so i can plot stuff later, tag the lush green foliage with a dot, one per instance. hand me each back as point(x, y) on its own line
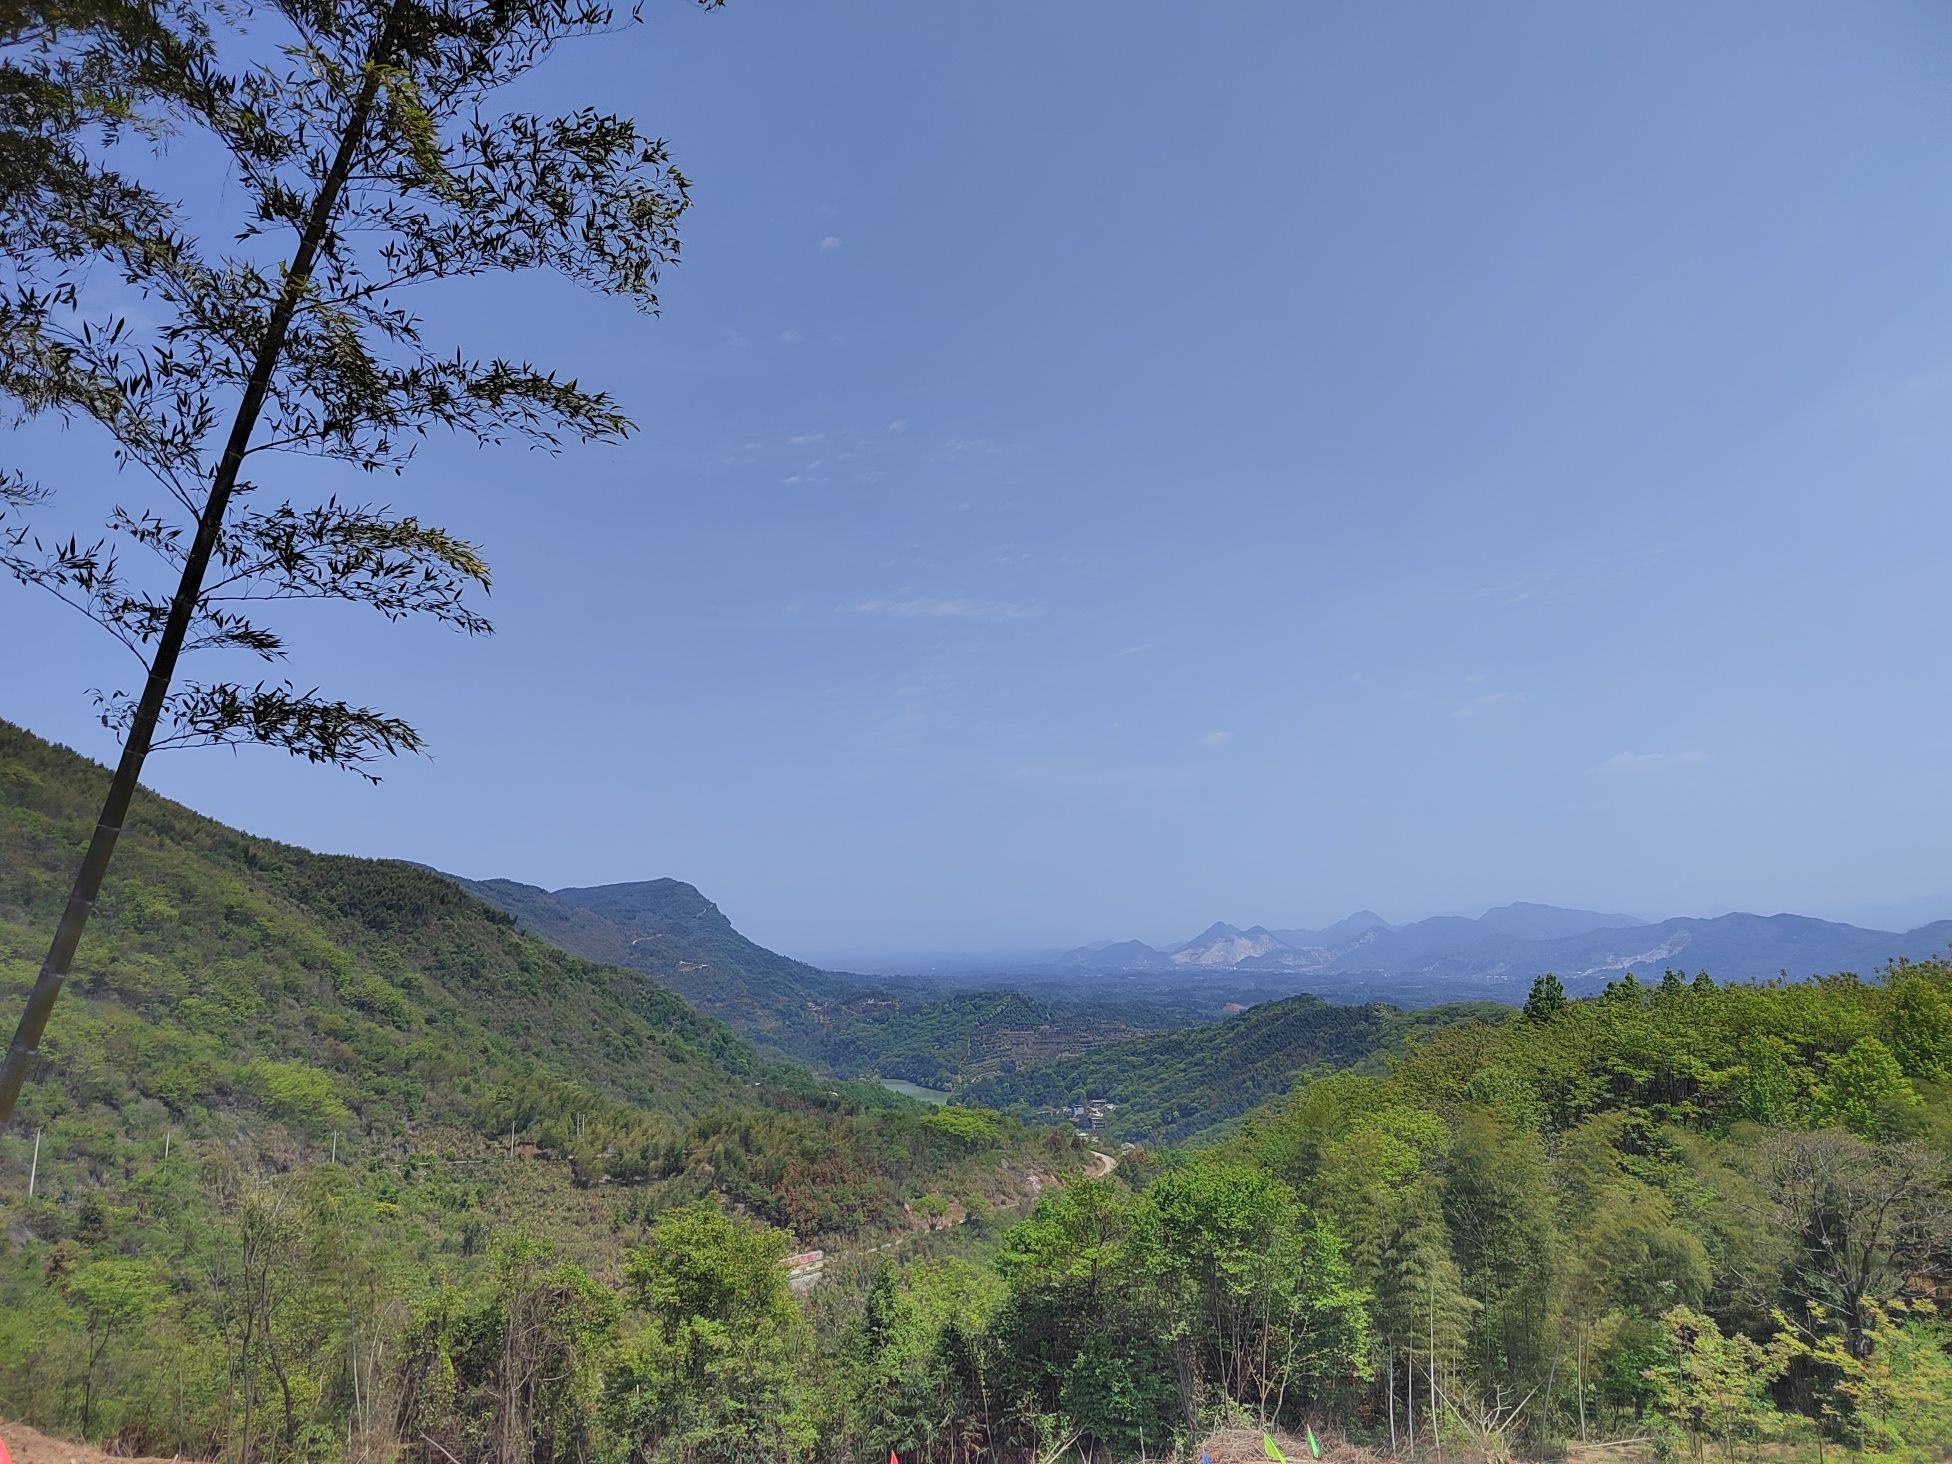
point(959, 1040)
point(1678, 1206)
point(330, 994)
point(299, 1112)
point(280, 1211)
point(1174, 1085)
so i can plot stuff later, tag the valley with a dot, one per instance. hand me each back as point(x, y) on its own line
point(1184, 1040)
point(360, 1100)
point(948, 545)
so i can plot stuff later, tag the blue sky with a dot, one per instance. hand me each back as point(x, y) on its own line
point(1107, 468)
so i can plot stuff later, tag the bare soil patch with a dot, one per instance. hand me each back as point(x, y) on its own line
point(31, 1446)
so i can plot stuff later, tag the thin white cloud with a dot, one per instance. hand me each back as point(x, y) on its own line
point(900, 424)
point(1652, 762)
point(1491, 699)
point(975, 444)
point(803, 438)
point(735, 340)
point(1216, 738)
point(794, 607)
point(791, 337)
point(829, 244)
point(949, 607)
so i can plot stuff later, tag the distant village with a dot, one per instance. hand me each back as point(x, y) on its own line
point(1091, 1116)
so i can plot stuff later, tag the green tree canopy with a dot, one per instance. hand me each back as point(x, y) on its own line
point(1546, 1000)
point(1865, 1089)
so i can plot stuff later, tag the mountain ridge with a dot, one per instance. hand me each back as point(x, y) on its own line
point(670, 931)
point(1512, 943)
point(234, 974)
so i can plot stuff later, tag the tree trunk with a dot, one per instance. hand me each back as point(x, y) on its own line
point(1410, 1393)
point(1436, 1427)
point(1389, 1391)
point(88, 1383)
point(1580, 1370)
point(162, 670)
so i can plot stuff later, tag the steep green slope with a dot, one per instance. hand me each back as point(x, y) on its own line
point(229, 974)
point(849, 1025)
point(955, 1040)
point(238, 991)
point(668, 930)
point(355, 1106)
point(1172, 1085)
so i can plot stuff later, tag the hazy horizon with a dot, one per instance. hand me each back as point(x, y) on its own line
point(1258, 473)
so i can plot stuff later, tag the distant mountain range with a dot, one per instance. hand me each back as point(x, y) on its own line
point(668, 930)
point(1514, 943)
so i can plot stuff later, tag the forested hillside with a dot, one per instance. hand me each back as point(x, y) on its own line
point(1716, 1215)
point(295, 1106)
point(1710, 1220)
point(336, 1163)
point(668, 930)
point(1171, 1086)
point(226, 974)
point(957, 1041)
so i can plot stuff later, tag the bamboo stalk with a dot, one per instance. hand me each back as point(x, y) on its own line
point(87, 886)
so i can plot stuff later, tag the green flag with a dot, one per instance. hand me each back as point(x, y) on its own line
point(1267, 1442)
point(1313, 1447)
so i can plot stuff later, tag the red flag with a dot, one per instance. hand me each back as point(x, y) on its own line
point(893, 1457)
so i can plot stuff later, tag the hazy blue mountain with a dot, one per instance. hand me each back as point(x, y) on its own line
point(1114, 955)
point(1348, 928)
point(1513, 943)
point(1551, 922)
point(1735, 947)
point(1406, 945)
